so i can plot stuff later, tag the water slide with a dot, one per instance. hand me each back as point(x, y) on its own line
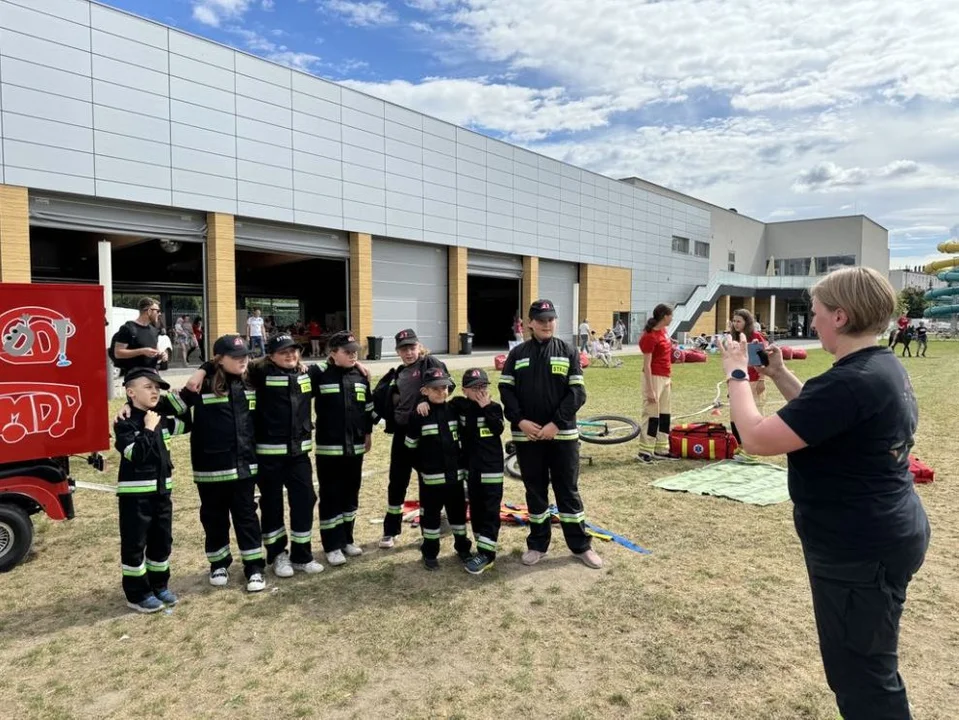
point(951, 276)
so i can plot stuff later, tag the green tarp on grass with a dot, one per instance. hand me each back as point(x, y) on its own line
point(753, 483)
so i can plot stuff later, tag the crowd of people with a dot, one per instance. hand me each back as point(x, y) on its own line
point(846, 434)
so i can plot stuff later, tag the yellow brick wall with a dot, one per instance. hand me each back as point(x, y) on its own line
point(706, 322)
point(762, 308)
point(724, 311)
point(457, 263)
point(361, 288)
point(530, 291)
point(14, 234)
point(221, 275)
point(603, 290)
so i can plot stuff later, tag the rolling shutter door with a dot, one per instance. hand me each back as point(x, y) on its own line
point(297, 239)
point(410, 283)
point(557, 282)
point(494, 265)
point(115, 217)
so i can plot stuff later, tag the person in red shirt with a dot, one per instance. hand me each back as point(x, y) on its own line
point(743, 327)
point(657, 365)
point(315, 332)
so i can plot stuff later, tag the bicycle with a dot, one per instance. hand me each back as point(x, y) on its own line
point(596, 430)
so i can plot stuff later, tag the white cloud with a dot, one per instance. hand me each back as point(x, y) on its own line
point(214, 12)
point(267, 5)
point(263, 46)
point(354, 12)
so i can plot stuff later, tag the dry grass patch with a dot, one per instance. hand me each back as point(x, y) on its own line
point(716, 623)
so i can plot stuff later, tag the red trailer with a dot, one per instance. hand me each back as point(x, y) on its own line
point(53, 402)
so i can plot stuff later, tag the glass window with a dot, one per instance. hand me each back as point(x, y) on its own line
point(732, 261)
point(680, 245)
point(793, 266)
point(701, 249)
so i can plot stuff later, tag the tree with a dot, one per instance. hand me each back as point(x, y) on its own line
point(912, 301)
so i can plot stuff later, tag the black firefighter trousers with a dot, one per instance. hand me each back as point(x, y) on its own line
point(857, 606)
point(485, 501)
point(555, 462)
point(401, 465)
point(340, 477)
point(296, 474)
point(434, 496)
point(219, 502)
point(146, 538)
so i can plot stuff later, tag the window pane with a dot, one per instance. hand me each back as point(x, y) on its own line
point(702, 249)
point(680, 244)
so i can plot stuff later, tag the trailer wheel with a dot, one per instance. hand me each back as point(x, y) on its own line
point(16, 536)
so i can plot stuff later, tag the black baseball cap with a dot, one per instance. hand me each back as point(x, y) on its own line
point(406, 337)
point(149, 374)
point(345, 340)
point(474, 377)
point(280, 342)
point(437, 377)
point(231, 345)
point(542, 310)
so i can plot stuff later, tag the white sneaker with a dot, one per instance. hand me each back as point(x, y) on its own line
point(281, 565)
point(352, 550)
point(335, 558)
point(256, 583)
point(386, 542)
point(219, 577)
point(310, 568)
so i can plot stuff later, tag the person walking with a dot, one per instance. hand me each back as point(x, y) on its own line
point(135, 342)
point(254, 333)
point(518, 329)
point(847, 435)
point(922, 339)
point(198, 337)
point(619, 332)
point(657, 385)
point(584, 333)
point(905, 337)
point(542, 388)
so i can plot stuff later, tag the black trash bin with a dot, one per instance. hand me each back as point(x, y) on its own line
point(466, 343)
point(374, 348)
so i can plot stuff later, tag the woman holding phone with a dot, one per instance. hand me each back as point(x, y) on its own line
point(743, 327)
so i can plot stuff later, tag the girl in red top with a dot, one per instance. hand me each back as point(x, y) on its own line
point(657, 364)
point(315, 333)
point(743, 325)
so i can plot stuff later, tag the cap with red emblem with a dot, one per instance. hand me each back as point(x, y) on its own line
point(542, 310)
point(344, 340)
point(232, 345)
point(474, 377)
point(406, 337)
point(437, 377)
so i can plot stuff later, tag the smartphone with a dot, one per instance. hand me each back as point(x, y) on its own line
point(757, 356)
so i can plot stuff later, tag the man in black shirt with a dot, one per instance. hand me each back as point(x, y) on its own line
point(136, 341)
point(847, 435)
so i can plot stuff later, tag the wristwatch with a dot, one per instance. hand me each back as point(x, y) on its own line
point(737, 374)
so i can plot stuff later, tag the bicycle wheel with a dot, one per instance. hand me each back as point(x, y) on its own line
point(512, 467)
point(607, 429)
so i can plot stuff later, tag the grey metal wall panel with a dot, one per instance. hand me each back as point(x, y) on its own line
point(57, 30)
point(39, 77)
point(198, 183)
point(197, 71)
point(73, 10)
point(93, 215)
point(118, 72)
point(127, 26)
point(291, 238)
point(317, 184)
point(410, 283)
point(315, 107)
point(316, 87)
point(42, 180)
point(202, 51)
point(190, 138)
point(35, 130)
point(556, 281)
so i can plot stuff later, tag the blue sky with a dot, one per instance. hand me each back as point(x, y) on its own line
point(783, 110)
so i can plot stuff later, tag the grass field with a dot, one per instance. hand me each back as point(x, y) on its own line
point(716, 623)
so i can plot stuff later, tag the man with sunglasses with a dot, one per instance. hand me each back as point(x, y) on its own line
point(135, 343)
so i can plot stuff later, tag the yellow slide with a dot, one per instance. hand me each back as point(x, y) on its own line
point(938, 265)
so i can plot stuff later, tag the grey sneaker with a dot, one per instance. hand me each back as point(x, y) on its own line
point(353, 550)
point(281, 565)
point(336, 557)
point(531, 557)
point(590, 558)
point(386, 542)
point(310, 568)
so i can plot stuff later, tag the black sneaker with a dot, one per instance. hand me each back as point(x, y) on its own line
point(431, 563)
point(464, 555)
point(479, 564)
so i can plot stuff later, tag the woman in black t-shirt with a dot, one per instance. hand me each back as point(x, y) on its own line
point(847, 435)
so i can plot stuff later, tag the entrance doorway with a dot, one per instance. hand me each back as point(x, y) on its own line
point(492, 304)
point(291, 291)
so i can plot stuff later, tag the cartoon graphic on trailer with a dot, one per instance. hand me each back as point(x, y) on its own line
point(35, 336)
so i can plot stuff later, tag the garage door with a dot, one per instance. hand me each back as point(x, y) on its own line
point(410, 290)
point(494, 265)
point(299, 239)
point(115, 217)
point(557, 282)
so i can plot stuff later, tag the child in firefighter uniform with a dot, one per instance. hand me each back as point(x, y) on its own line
point(542, 388)
point(344, 423)
point(143, 491)
point(284, 440)
point(434, 440)
point(481, 426)
point(223, 452)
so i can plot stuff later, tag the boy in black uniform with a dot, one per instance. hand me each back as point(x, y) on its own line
point(344, 423)
point(402, 397)
point(542, 388)
point(481, 426)
point(143, 492)
point(434, 440)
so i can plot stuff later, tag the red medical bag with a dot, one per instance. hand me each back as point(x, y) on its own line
point(702, 441)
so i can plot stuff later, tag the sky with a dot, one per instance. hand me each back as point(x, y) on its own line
point(783, 109)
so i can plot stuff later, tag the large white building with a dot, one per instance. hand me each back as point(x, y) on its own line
point(219, 182)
